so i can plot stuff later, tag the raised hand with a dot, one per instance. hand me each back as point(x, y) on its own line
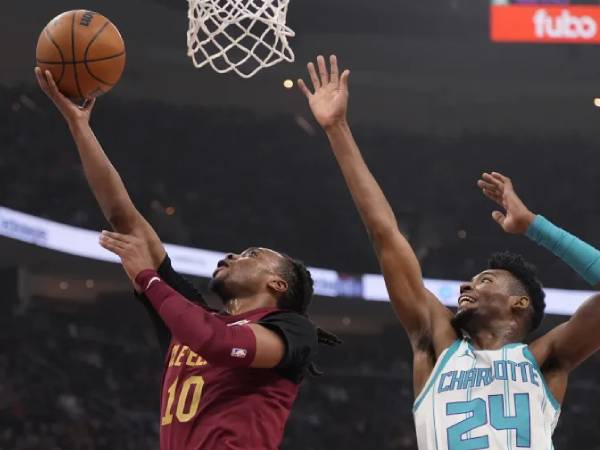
point(329, 101)
point(499, 188)
point(134, 252)
point(70, 111)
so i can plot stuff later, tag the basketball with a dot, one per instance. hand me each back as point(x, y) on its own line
point(84, 51)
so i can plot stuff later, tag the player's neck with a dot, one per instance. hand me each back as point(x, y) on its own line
point(237, 306)
point(495, 337)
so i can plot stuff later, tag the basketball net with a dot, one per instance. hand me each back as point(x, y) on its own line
point(243, 36)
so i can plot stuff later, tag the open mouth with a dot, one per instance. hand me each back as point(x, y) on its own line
point(465, 299)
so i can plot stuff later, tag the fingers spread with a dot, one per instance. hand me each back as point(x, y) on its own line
point(50, 81)
point(323, 70)
point(88, 104)
point(303, 88)
point(344, 79)
point(334, 69)
point(496, 182)
point(498, 217)
point(41, 79)
point(493, 197)
point(485, 185)
point(498, 176)
point(314, 78)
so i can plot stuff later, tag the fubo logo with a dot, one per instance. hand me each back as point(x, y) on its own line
point(564, 25)
point(552, 24)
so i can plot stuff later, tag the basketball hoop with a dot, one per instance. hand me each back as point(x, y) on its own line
point(243, 36)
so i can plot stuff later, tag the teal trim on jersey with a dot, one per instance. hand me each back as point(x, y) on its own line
point(434, 423)
point(510, 345)
point(470, 390)
point(449, 352)
point(527, 353)
point(506, 396)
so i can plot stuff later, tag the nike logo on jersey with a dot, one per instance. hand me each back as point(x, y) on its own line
point(239, 322)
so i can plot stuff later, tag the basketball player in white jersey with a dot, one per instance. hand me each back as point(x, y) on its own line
point(477, 385)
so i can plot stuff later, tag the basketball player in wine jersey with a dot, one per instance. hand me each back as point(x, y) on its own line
point(477, 384)
point(231, 376)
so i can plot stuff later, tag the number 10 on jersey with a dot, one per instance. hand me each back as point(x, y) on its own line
point(194, 384)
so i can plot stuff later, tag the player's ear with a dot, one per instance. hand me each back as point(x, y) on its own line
point(520, 302)
point(278, 284)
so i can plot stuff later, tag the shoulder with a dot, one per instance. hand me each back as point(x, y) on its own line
point(299, 335)
point(292, 325)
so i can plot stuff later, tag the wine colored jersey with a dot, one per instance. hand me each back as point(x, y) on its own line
point(207, 406)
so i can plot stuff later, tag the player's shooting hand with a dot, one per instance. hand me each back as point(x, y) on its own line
point(133, 251)
point(71, 112)
point(329, 101)
point(498, 188)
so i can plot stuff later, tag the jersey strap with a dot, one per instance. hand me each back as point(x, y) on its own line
point(527, 353)
point(432, 379)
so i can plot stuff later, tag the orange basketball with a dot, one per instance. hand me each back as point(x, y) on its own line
point(84, 51)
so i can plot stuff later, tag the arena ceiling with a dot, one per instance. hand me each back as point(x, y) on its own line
point(427, 65)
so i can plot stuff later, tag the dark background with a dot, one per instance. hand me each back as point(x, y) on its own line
point(433, 104)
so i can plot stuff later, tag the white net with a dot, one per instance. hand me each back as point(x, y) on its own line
point(243, 36)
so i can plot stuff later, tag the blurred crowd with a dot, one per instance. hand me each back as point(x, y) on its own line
point(74, 378)
point(66, 383)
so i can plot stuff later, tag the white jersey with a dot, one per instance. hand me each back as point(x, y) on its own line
point(485, 399)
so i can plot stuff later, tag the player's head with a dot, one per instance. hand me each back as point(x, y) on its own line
point(508, 291)
point(260, 270)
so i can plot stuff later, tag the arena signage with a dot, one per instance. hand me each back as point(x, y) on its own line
point(545, 23)
point(192, 261)
point(199, 262)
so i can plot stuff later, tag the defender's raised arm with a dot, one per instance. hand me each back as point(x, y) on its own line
point(418, 310)
point(569, 344)
point(518, 219)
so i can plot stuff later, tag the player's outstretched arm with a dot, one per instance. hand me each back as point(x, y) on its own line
point(245, 345)
point(416, 307)
point(518, 219)
point(572, 342)
point(104, 180)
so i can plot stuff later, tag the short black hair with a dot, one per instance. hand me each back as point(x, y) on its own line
point(300, 285)
point(526, 274)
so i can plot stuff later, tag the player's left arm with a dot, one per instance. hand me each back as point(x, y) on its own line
point(246, 345)
point(569, 344)
point(518, 219)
